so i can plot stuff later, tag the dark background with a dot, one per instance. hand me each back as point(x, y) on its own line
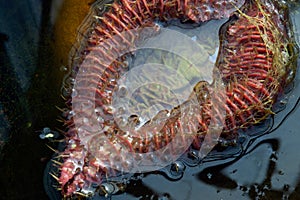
point(30, 82)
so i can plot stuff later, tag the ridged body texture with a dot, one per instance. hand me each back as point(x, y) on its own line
point(253, 63)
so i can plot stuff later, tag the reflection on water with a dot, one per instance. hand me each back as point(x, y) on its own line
point(268, 169)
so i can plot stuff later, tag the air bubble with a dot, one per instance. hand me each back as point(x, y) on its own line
point(109, 109)
point(209, 175)
point(69, 81)
point(98, 110)
point(63, 68)
point(164, 197)
point(109, 188)
point(193, 158)
point(74, 93)
point(122, 91)
point(120, 111)
point(177, 168)
point(100, 120)
point(65, 112)
point(71, 113)
point(66, 92)
point(125, 64)
point(134, 120)
point(283, 101)
point(175, 171)
point(194, 38)
point(85, 120)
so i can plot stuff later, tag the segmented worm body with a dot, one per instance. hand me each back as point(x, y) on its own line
point(253, 61)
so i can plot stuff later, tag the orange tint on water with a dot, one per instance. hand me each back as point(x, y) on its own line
point(70, 16)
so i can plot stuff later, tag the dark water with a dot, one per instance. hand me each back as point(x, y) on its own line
point(30, 89)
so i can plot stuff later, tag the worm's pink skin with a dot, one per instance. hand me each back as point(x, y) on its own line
point(246, 63)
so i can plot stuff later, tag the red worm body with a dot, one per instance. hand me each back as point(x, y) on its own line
point(250, 62)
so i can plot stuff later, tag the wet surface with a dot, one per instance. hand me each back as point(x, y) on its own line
point(269, 168)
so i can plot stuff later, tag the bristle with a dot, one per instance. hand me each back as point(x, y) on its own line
point(55, 177)
point(60, 131)
point(60, 119)
point(54, 150)
point(82, 194)
point(61, 156)
point(57, 162)
point(247, 64)
point(60, 109)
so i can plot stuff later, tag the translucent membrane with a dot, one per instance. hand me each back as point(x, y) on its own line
point(143, 118)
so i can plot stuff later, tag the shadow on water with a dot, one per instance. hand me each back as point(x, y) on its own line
point(268, 169)
point(253, 174)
